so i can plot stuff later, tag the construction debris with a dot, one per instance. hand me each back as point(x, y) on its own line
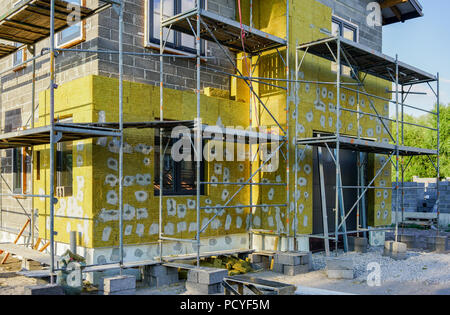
point(233, 264)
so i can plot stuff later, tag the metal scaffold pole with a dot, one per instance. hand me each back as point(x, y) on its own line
point(295, 144)
point(52, 139)
point(288, 140)
point(121, 26)
point(396, 149)
point(338, 109)
point(438, 162)
point(199, 130)
point(161, 118)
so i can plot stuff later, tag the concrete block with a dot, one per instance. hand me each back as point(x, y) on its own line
point(156, 270)
point(340, 274)
point(377, 238)
point(357, 244)
point(125, 292)
point(50, 289)
point(339, 264)
point(201, 288)
point(399, 247)
point(409, 240)
point(161, 281)
point(206, 275)
point(119, 283)
point(278, 268)
point(395, 250)
point(437, 243)
point(306, 259)
point(295, 270)
point(255, 258)
point(98, 276)
point(26, 264)
point(394, 247)
point(291, 259)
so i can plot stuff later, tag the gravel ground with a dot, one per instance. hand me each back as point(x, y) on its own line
point(430, 268)
point(10, 282)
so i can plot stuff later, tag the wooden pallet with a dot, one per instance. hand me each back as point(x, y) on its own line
point(426, 222)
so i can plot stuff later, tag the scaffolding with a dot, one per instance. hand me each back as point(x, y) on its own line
point(34, 20)
point(50, 16)
point(226, 33)
point(363, 61)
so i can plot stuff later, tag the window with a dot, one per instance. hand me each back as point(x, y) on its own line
point(17, 170)
point(74, 34)
point(19, 56)
point(13, 120)
point(175, 40)
point(64, 167)
point(272, 66)
point(179, 178)
point(21, 167)
point(38, 165)
point(348, 31)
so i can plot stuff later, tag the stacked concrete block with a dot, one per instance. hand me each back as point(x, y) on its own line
point(119, 285)
point(205, 280)
point(49, 289)
point(159, 276)
point(409, 239)
point(444, 197)
point(437, 243)
point(261, 260)
point(412, 198)
point(292, 263)
point(339, 268)
point(395, 250)
point(357, 244)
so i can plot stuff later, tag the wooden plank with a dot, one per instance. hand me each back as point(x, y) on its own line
point(26, 253)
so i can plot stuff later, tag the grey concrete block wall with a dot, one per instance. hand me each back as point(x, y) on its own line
point(354, 11)
point(178, 73)
point(16, 93)
point(423, 198)
point(102, 33)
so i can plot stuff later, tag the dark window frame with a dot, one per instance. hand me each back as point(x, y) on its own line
point(63, 150)
point(18, 170)
point(342, 23)
point(177, 167)
point(177, 45)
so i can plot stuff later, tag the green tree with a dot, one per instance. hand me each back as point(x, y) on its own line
point(426, 138)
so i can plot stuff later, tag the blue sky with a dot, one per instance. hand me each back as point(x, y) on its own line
point(424, 43)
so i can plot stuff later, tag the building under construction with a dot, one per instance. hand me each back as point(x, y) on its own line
point(274, 95)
